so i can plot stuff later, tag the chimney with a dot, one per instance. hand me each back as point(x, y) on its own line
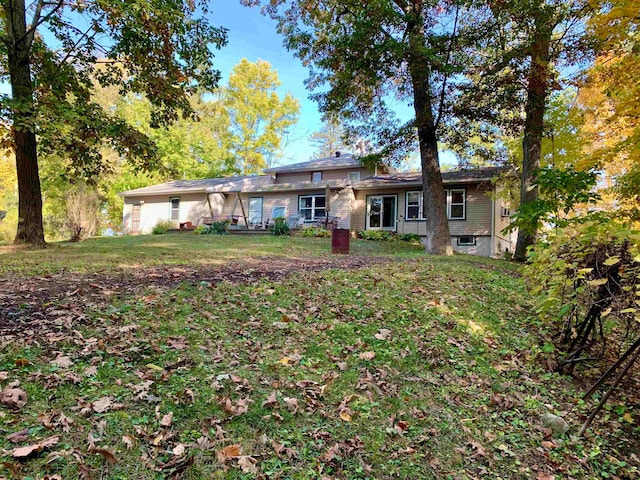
point(337, 154)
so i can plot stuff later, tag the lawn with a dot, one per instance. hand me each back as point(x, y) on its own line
point(382, 364)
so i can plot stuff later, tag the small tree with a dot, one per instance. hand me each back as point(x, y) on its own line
point(83, 212)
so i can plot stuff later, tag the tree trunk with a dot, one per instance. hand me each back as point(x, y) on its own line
point(537, 88)
point(438, 240)
point(30, 228)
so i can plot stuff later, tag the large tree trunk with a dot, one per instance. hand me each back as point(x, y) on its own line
point(30, 229)
point(438, 240)
point(537, 88)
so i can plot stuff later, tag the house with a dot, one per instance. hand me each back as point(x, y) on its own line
point(339, 190)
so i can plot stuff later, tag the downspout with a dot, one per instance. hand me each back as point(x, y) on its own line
point(493, 221)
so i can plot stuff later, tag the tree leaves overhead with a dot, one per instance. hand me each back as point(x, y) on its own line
point(53, 53)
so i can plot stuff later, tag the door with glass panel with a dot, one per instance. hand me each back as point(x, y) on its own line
point(381, 212)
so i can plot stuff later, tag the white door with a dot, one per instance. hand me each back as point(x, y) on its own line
point(381, 212)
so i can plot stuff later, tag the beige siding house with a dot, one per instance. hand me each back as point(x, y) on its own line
point(338, 191)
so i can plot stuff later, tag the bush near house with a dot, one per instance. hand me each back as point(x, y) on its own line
point(162, 227)
point(216, 228)
point(315, 232)
point(280, 227)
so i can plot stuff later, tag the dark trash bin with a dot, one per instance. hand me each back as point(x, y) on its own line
point(340, 240)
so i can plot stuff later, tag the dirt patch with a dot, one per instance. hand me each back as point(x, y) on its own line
point(59, 301)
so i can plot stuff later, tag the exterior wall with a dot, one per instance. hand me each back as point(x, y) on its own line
point(482, 246)
point(341, 203)
point(477, 218)
point(503, 242)
point(339, 174)
point(157, 208)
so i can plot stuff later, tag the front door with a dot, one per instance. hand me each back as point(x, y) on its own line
point(381, 212)
point(135, 219)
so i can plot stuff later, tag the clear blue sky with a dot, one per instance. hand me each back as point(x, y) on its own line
point(253, 36)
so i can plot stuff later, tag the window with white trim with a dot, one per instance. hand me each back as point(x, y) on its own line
point(255, 210)
point(312, 207)
point(466, 240)
point(354, 176)
point(414, 206)
point(174, 215)
point(456, 204)
point(316, 177)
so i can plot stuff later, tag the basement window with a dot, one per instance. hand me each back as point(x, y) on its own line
point(466, 241)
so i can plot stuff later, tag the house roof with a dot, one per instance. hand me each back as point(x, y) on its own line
point(415, 178)
point(199, 186)
point(345, 160)
point(265, 183)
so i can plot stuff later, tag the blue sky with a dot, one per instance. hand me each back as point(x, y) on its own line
point(253, 36)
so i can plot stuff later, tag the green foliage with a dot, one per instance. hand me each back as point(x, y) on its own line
point(216, 228)
point(258, 118)
point(586, 280)
point(279, 226)
point(162, 227)
point(315, 232)
point(409, 237)
point(561, 192)
point(376, 235)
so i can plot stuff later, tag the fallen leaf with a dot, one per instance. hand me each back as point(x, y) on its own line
point(23, 452)
point(18, 437)
point(229, 452)
point(22, 362)
point(14, 397)
point(167, 420)
point(90, 371)
point(179, 449)
point(248, 464)
point(345, 416)
point(128, 441)
point(545, 476)
point(102, 404)
point(367, 355)
point(271, 400)
point(106, 453)
point(62, 361)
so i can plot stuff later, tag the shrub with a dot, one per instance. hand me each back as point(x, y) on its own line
point(586, 279)
point(409, 237)
point(315, 232)
point(82, 211)
point(376, 235)
point(216, 228)
point(162, 227)
point(279, 226)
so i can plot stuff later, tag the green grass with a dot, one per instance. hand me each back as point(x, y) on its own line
point(454, 388)
point(176, 249)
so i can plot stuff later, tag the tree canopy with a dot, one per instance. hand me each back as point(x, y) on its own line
point(258, 117)
point(53, 52)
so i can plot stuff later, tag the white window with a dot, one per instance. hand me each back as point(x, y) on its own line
point(505, 211)
point(354, 176)
point(312, 207)
point(279, 212)
point(316, 177)
point(255, 210)
point(414, 206)
point(456, 204)
point(466, 240)
point(174, 215)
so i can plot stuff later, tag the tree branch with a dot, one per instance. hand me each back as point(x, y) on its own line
point(447, 60)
